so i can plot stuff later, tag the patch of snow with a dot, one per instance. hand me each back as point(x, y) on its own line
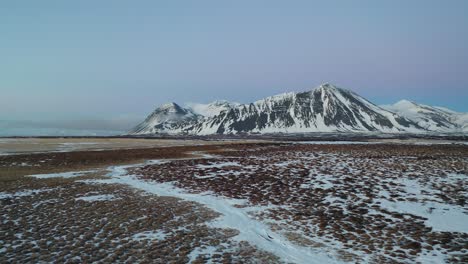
point(49, 201)
point(286, 163)
point(441, 217)
point(201, 251)
point(5, 195)
point(8, 140)
point(211, 109)
point(71, 174)
point(150, 235)
point(435, 256)
point(100, 197)
point(203, 155)
point(218, 165)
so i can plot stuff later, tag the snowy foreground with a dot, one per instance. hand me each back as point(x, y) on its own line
point(232, 217)
point(280, 204)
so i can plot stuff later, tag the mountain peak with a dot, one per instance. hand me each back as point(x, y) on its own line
point(172, 107)
point(328, 87)
point(169, 105)
point(429, 117)
point(168, 118)
point(405, 102)
point(220, 102)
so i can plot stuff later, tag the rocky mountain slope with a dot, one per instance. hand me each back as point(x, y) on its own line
point(169, 118)
point(326, 108)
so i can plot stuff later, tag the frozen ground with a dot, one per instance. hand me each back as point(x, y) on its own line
point(235, 214)
point(70, 174)
point(300, 203)
point(9, 146)
point(355, 202)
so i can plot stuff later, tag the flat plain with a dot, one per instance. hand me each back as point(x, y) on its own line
point(234, 202)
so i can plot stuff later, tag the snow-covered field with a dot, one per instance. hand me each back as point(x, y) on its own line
point(235, 214)
point(298, 203)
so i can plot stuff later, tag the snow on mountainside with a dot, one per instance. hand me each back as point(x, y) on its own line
point(326, 108)
point(462, 120)
point(432, 118)
point(211, 109)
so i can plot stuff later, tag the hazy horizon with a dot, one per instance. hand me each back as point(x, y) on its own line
point(106, 65)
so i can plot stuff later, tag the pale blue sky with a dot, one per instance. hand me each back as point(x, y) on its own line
point(119, 59)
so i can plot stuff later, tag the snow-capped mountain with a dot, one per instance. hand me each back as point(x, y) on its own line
point(169, 118)
point(172, 118)
point(326, 108)
point(431, 118)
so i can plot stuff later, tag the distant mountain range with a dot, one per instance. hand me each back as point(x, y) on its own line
point(326, 108)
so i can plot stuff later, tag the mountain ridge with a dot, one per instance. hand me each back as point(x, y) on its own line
point(326, 108)
point(432, 118)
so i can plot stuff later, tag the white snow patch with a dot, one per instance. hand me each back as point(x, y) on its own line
point(218, 165)
point(100, 197)
point(5, 195)
point(202, 155)
point(62, 174)
point(200, 251)
point(211, 109)
point(150, 235)
point(441, 217)
point(435, 256)
point(49, 201)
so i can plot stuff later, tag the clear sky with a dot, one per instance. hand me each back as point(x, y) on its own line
point(118, 60)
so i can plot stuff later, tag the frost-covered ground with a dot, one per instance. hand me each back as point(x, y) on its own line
point(300, 203)
point(235, 214)
point(356, 203)
point(12, 146)
point(80, 222)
